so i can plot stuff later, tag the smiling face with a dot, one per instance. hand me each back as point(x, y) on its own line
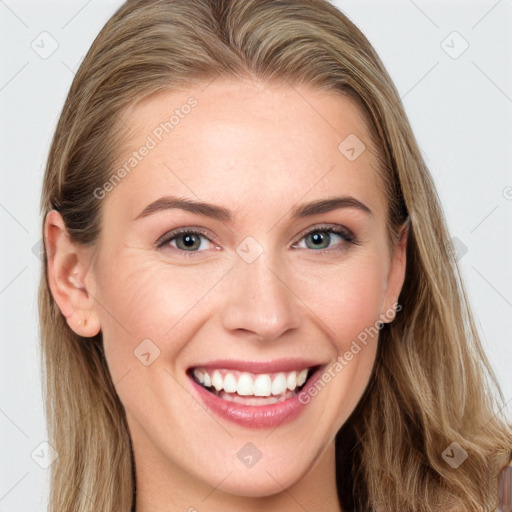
point(259, 280)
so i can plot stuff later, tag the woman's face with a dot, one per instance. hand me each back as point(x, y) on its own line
point(258, 281)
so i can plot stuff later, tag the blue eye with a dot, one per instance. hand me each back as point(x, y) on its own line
point(320, 237)
point(190, 241)
point(185, 240)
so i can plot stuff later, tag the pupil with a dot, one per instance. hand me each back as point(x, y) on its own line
point(188, 241)
point(319, 238)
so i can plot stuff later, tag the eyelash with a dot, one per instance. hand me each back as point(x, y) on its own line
point(337, 230)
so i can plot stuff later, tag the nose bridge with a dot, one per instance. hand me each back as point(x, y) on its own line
point(258, 298)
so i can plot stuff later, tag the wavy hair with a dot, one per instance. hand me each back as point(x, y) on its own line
point(432, 384)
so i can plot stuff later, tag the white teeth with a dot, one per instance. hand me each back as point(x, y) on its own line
point(199, 375)
point(245, 385)
point(262, 386)
point(217, 380)
point(248, 384)
point(302, 377)
point(292, 381)
point(230, 383)
point(279, 384)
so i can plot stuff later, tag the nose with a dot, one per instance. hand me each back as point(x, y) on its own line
point(260, 301)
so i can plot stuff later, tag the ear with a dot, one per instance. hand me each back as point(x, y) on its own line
point(396, 276)
point(68, 266)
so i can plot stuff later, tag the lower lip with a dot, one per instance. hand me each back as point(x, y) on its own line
point(257, 416)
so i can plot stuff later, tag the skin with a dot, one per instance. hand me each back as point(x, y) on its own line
point(260, 151)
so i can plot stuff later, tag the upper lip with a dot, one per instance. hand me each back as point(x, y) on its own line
point(277, 365)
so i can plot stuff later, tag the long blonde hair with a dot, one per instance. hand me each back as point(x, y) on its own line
point(432, 384)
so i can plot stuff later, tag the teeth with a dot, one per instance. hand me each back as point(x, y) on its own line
point(230, 383)
point(279, 384)
point(217, 381)
point(245, 385)
point(262, 385)
point(302, 377)
point(248, 384)
point(291, 381)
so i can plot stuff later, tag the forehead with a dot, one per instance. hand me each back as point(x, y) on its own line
point(248, 145)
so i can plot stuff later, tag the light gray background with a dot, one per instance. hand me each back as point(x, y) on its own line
point(460, 107)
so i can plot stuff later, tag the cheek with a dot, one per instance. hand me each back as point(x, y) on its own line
point(351, 308)
point(143, 300)
point(346, 297)
point(346, 301)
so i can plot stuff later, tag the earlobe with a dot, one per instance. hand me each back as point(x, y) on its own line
point(67, 267)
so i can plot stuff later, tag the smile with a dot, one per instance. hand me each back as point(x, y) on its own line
point(233, 385)
point(252, 398)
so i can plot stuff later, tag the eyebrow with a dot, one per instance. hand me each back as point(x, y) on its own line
point(223, 214)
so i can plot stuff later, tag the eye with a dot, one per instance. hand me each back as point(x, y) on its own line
point(186, 240)
point(191, 241)
point(320, 238)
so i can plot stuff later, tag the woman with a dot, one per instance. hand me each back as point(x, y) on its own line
point(250, 300)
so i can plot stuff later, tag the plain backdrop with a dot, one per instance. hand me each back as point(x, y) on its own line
point(451, 62)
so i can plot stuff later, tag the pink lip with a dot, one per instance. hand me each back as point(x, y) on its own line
point(257, 416)
point(277, 365)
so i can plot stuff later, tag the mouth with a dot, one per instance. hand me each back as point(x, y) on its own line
point(248, 388)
